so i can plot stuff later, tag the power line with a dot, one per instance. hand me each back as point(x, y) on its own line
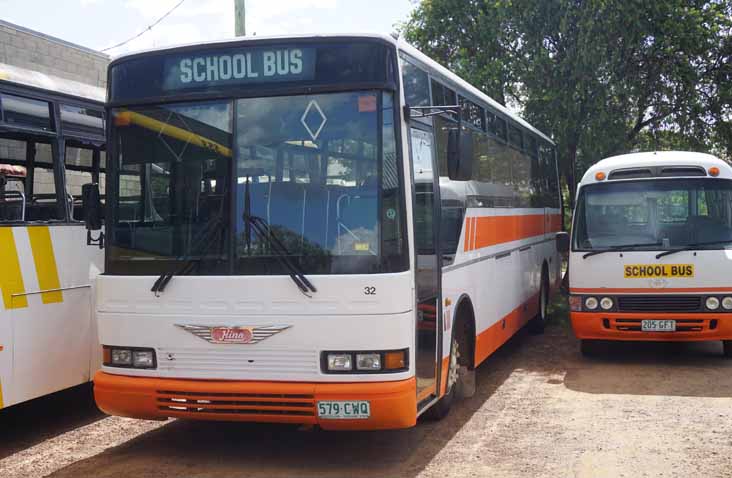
point(150, 27)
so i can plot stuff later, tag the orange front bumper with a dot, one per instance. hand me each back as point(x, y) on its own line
point(393, 404)
point(626, 326)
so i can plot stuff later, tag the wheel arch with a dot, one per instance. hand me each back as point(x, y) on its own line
point(463, 328)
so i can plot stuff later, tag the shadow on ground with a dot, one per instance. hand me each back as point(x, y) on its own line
point(27, 424)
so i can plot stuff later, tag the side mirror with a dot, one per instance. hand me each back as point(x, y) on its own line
point(93, 213)
point(459, 155)
point(562, 242)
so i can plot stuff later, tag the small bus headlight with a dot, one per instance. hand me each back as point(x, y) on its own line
point(712, 303)
point(606, 303)
point(727, 303)
point(591, 303)
point(143, 358)
point(121, 357)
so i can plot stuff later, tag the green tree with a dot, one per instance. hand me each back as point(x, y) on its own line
point(600, 76)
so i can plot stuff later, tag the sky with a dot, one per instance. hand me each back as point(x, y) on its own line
point(99, 24)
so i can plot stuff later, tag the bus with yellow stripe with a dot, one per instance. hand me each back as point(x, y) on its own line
point(51, 143)
point(326, 230)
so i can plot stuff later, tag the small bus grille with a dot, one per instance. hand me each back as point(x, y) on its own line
point(245, 404)
point(645, 303)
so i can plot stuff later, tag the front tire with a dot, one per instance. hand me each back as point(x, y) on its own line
point(441, 409)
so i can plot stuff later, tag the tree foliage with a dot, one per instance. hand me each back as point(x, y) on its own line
point(602, 77)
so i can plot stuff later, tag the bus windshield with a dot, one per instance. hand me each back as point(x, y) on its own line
point(320, 170)
point(654, 214)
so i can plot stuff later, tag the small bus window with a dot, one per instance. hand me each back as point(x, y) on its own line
point(515, 138)
point(416, 85)
point(19, 111)
point(43, 204)
point(80, 120)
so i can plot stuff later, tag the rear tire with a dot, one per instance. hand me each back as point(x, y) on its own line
point(727, 348)
point(538, 323)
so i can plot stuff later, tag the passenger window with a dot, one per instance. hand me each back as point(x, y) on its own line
point(86, 121)
point(43, 204)
point(79, 168)
point(416, 85)
point(19, 111)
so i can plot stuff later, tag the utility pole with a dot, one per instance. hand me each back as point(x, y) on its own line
point(240, 24)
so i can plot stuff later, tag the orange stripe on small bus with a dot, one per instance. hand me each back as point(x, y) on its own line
point(497, 334)
point(666, 290)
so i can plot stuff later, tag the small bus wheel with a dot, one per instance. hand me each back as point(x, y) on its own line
point(589, 348)
point(439, 410)
point(727, 348)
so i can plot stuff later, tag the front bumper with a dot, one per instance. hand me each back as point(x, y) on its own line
point(626, 326)
point(393, 404)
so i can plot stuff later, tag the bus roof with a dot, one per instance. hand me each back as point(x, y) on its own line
point(53, 84)
point(653, 159)
point(401, 44)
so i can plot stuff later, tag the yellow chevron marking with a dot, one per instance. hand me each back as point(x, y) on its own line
point(1, 395)
point(11, 279)
point(40, 241)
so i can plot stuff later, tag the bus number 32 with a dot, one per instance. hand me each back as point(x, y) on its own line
point(369, 290)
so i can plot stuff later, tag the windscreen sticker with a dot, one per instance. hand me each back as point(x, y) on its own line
point(650, 271)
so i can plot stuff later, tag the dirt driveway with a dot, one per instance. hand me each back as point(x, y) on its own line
point(541, 410)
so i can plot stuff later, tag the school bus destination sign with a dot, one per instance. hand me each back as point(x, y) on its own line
point(237, 66)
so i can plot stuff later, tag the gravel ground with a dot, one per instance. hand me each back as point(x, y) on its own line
point(541, 410)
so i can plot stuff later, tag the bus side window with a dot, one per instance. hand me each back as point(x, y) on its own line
point(12, 179)
point(43, 204)
point(83, 165)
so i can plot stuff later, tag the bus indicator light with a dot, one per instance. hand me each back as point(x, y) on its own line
point(714, 171)
point(600, 176)
point(396, 360)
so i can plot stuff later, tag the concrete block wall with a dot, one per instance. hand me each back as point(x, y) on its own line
point(37, 51)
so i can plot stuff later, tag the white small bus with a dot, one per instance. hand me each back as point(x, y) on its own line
point(329, 230)
point(51, 143)
point(651, 256)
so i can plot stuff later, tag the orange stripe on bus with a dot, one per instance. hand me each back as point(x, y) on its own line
point(488, 231)
point(497, 334)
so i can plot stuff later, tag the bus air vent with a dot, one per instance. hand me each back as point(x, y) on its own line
point(631, 173)
point(683, 171)
point(649, 303)
point(178, 403)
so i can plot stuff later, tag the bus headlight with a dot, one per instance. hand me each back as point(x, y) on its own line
point(712, 303)
point(128, 357)
point(376, 361)
point(727, 303)
point(591, 303)
point(368, 361)
point(339, 362)
point(606, 303)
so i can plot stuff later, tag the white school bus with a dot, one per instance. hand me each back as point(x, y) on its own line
point(51, 142)
point(650, 256)
point(329, 230)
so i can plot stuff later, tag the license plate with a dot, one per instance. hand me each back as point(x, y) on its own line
point(345, 409)
point(658, 325)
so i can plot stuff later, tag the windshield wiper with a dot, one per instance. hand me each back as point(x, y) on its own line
point(189, 262)
point(623, 247)
point(264, 231)
point(689, 247)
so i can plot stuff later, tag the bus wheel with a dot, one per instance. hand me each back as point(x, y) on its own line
point(727, 348)
point(439, 410)
point(537, 324)
point(589, 348)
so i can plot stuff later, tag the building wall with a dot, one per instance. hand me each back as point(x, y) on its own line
point(33, 50)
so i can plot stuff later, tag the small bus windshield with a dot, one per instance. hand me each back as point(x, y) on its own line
point(663, 214)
